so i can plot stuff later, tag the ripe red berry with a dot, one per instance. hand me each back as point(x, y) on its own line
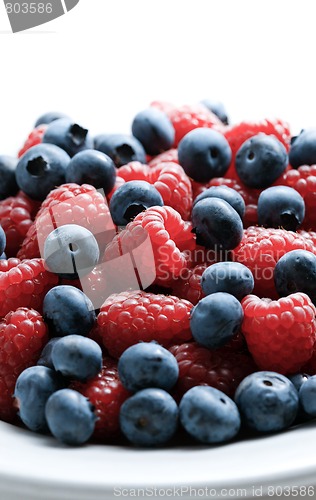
point(188, 286)
point(15, 219)
point(33, 139)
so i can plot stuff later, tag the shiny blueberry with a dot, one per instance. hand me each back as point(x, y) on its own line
point(121, 148)
point(77, 357)
point(307, 396)
point(298, 379)
point(154, 130)
point(281, 206)
point(69, 136)
point(94, 168)
point(49, 117)
point(217, 108)
point(8, 185)
point(303, 148)
point(45, 358)
point(224, 193)
point(230, 277)
point(3, 241)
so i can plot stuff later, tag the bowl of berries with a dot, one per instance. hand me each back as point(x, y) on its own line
point(158, 290)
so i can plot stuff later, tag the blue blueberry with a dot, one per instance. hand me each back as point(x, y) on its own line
point(281, 206)
point(267, 401)
point(307, 396)
point(154, 130)
point(298, 379)
point(77, 357)
point(260, 161)
point(132, 198)
point(216, 224)
point(121, 148)
point(217, 108)
point(224, 193)
point(41, 169)
point(49, 117)
point(209, 415)
point(94, 168)
point(216, 319)
point(303, 148)
point(3, 256)
point(71, 251)
point(8, 185)
point(230, 277)
point(33, 388)
point(46, 354)
point(149, 417)
point(204, 154)
point(3, 241)
point(69, 136)
point(296, 272)
point(147, 365)
point(68, 311)
point(70, 417)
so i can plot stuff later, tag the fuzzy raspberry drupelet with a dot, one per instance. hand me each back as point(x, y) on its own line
point(188, 286)
point(15, 219)
point(165, 157)
point(130, 317)
point(163, 106)
point(280, 334)
point(33, 139)
point(23, 335)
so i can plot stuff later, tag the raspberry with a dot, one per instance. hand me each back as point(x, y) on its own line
point(107, 394)
point(68, 204)
point(221, 368)
point(260, 250)
point(33, 139)
point(15, 219)
point(130, 317)
point(188, 286)
point(310, 235)
point(23, 284)
point(163, 106)
point(187, 118)
point(280, 334)
point(167, 156)
point(23, 334)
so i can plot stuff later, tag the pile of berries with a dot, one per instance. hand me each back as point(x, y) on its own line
point(160, 280)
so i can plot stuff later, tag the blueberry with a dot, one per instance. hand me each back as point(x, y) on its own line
point(260, 161)
point(267, 401)
point(281, 206)
point(154, 130)
point(49, 117)
point(307, 396)
point(69, 136)
point(230, 277)
point(132, 198)
point(149, 418)
point(216, 224)
point(303, 148)
point(94, 168)
point(77, 357)
point(224, 193)
point(3, 241)
point(209, 415)
point(217, 108)
point(121, 148)
point(215, 319)
point(68, 311)
point(204, 154)
point(298, 379)
point(8, 185)
point(71, 251)
point(147, 365)
point(46, 354)
point(3, 256)
point(33, 388)
point(70, 417)
point(296, 272)
point(41, 169)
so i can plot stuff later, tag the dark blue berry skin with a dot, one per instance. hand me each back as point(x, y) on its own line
point(296, 272)
point(46, 354)
point(267, 401)
point(154, 130)
point(307, 396)
point(8, 185)
point(49, 117)
point(71, 251)
point(41, 169)
point(217, 108)
point(260, 161)
point(216, 224)
point(224, 193)
point(215, 319)
point(33, 388)
point(230, 277)
point(77, 357)
point(204, 154)
point(94, 168)
point(281, 206)
point(298, 379)
point(132, 198)
point(68, 311)
point(209, 415)
point(70, 417)
point(149, 417)
point(303, 148)
point(3, 241)
point(69, 136)
point(147, 365)
point(121, 148)
point(3, 256)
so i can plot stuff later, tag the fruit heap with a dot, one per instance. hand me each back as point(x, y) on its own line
point(158, 280)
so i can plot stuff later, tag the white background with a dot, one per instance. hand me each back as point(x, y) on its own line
point(106, 59)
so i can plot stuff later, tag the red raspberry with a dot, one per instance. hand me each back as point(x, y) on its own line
point(188, 286)
point(107, 395)
point(23, 334)
point(15, 219)
point(163, 106)
point(260, 249)
point(221, 368)
point(24, 284)
point(130, 317)
point(167, 156)
point(69, 204)
point(33, 139)
point(309, 235)
point(280, 334)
